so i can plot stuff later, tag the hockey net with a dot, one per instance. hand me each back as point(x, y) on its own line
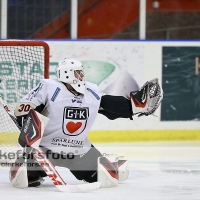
point(22, 65)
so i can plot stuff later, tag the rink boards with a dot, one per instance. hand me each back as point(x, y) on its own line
point(130, 64)
point(124, 136)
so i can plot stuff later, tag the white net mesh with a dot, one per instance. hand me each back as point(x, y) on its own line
point(22, 65)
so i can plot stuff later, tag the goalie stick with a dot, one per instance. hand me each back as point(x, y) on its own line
point(6, 108)
point(42, 159)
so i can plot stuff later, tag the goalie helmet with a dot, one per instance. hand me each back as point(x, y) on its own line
point(66, 71)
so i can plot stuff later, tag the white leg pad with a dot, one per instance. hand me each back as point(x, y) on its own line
point(123, 168)
point(108, 171)
point(18, 175)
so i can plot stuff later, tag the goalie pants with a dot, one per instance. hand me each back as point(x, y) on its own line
point(83, 167)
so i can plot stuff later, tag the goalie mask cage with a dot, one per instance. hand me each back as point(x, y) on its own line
point(22, 65)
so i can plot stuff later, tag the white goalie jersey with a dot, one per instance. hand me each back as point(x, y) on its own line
point(71, 117)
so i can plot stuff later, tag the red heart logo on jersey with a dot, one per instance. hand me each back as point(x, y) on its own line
point(73, 127)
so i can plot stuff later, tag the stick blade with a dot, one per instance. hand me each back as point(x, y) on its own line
point(80, 187)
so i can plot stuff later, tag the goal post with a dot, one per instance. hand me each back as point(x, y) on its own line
point(22, 64)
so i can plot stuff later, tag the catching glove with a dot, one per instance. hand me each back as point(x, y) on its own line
point(147, 99)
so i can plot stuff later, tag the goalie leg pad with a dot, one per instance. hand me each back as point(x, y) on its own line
point(18, 174)
point(123, 168)
point(123, 171)
point(108, 171)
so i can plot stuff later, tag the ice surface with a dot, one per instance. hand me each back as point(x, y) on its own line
point(158, 171)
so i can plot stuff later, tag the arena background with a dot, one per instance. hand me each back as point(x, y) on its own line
point(119, 67)
point(124, 43)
